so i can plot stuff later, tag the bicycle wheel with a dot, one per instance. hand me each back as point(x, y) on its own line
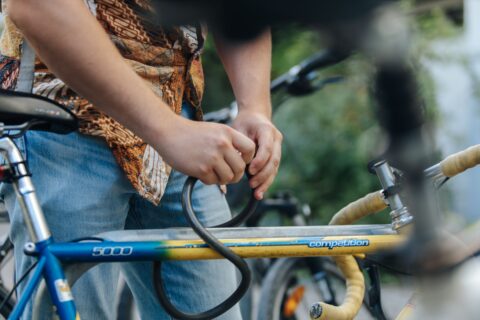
point(8, 306)
point(293, 285)
point(6, 259)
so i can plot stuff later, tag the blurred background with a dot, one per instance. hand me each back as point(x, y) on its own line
point(331, 135)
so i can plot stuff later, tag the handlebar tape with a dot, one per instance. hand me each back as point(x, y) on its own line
point(353, 297)
point(460, 161)
point(369, 204)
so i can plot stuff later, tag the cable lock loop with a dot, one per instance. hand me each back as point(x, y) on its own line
point(214, 244)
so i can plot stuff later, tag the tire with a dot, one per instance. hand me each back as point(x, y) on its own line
point(319, 277)
point(8, 306)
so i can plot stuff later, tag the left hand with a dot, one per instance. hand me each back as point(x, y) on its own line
point(264, 166)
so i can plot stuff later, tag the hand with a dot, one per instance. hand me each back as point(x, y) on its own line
point(211, 152)
point(264, 166)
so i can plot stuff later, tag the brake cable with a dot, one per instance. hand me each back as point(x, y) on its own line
point(12, 291)
point(217, 246)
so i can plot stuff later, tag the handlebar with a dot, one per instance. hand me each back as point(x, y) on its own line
point(353, 296)
point(460, 161)
point(224, 115)
point(369, 204)
point(323, 59)
point(296, 80)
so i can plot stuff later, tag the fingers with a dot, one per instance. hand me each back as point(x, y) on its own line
point(226, 161)
point(260, 191)
point(237, 164)
point(244, 145)
point(264, 152)
point(223, 172)
point(220, 174)
point(209, 177)
point(263, 179)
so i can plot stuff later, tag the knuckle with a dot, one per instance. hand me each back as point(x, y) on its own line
point(204, 170)
point(209, 180)
point(279, 135)
point(267, 125)
point(276, 162)
point(237, 174)
point(223, 142)
point(213, 158)
point(240, 168)
point(260, 177)
point(237, 178)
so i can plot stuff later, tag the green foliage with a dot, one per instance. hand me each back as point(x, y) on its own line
point(292, 44)
point(329, 139)
point(331, 135)
point(218, 92)
point(434, 25)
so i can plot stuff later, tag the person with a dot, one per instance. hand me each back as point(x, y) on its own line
point(128, 79)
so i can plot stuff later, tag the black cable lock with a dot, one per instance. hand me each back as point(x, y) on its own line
point(214, 244)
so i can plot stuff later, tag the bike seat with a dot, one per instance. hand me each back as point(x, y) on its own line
point(17, 108)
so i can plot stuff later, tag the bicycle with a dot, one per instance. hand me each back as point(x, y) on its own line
point(182, 243)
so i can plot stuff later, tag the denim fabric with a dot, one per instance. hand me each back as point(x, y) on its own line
point(83, 192)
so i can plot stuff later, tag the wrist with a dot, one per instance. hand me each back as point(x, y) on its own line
point(158, 128)
point(256, 109)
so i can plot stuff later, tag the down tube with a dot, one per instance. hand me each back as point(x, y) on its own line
point(247, 248)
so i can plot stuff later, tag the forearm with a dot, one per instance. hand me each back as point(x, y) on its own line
point(73, 45)
point(248, 67)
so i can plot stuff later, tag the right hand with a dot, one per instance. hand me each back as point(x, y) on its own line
point(211, 152)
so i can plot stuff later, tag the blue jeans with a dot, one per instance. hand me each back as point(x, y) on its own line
point(83, 192)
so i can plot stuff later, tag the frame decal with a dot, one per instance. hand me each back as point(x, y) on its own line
point(63, 290)
point(330, 244)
